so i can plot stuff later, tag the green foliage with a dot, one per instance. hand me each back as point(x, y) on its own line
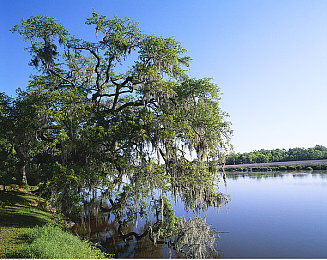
point(41, 31)
point(295, 167)
point(168, 225)
point(7, 155)
point(50, 241)
point(280, 168)
point(319, 167)
point(278, 155)
point(117, 116)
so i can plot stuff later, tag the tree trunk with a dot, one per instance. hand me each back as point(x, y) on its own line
point(22, 171)
point(21, 154)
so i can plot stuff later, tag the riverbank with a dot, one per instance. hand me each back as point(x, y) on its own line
point(280, 166)
point(28, 229)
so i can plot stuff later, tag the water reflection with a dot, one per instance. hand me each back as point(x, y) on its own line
point(276, 175)
point(281, 216)
point(320, 174)
point(159, 233)
point(140, 216)
point(195, 239)
point(271, 215)
point(263, 175)
point(104, 230)
point(257, 175)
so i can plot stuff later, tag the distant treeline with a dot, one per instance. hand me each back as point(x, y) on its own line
point(278, 155)
point(279, 168)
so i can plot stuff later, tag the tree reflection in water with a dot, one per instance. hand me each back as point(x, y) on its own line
point(158, 238)
point(162, 233)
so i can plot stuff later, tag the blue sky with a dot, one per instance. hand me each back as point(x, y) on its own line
point(269, 57)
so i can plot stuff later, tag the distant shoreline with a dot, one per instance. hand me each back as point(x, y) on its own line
point(275, 164)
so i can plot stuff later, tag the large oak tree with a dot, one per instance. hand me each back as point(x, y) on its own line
point(120, 115)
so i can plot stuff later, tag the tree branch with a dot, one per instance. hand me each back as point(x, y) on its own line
point(134, 104)
point(96, 66)
point(111, 59)
point(61, 77)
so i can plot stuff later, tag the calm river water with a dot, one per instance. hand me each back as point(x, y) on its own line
point(280, 215)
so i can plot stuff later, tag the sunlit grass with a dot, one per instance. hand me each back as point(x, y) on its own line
point(19, 212)
point(50, 241)
point(27, 230)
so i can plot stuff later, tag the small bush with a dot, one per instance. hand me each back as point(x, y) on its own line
point(292, 167)
point(50, 241)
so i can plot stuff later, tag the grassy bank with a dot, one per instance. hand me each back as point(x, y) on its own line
point(29, 230)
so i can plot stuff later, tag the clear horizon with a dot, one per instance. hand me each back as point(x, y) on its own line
point(268, 57)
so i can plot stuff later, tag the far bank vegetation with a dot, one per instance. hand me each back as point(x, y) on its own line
point(318, 152)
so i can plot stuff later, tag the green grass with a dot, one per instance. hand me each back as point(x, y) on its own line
point(51, 241)
point(19, 212)
point(27, 230)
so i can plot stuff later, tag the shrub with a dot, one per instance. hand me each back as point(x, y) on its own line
point(291, 167)
point(50, 241)
point(301, 167)
point(317, 167)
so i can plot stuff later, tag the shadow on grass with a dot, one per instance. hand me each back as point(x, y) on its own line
point(16, 210)
point(11, 198)
point(15, 219)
